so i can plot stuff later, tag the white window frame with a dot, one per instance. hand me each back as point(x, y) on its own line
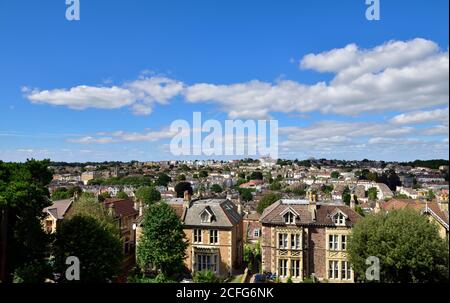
point(343, 242)
point(205, 217)
point(283, 241)
point(296, 268)
point(197, 236)
point(346, 270)
point(333, 242)
point(296, 242)
point(207, 262)
point(256, 233)
point(289, 218)
point(333, 270)
point(283, 267)
point(339, 219)
point(214, 236)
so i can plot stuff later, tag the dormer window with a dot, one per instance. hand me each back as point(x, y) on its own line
point(289, 218)
point(339, 219)
point(206, 216)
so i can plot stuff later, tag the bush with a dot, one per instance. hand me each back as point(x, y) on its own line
point(206, 276)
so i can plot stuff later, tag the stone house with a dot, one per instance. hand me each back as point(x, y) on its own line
point(302, 238)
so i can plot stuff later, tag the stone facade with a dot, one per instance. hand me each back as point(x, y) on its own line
point(309, 243)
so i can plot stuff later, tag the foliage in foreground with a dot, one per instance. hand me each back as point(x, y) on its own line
point(97, 248)
point(206, 276)
point(407, 244)
point(163, 244)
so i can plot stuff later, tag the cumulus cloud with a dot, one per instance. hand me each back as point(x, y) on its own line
point(393, 76)
point(140, 95)
point(420, 117)
point(82, 97)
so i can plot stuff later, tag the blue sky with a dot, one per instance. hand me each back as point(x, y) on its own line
point(107, 87)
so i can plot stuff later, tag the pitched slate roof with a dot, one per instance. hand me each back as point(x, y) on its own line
point(273, 215)
point(224, 212)
point(59, 208)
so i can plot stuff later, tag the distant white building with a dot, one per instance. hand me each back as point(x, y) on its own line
point(267, 162)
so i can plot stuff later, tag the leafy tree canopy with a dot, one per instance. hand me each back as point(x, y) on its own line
point(181, 187)
point(98, 249)
point(23, 196)
point(148, 195)
point(407, 244)
point(266, 201)
point(163, 241)
point(216, 188)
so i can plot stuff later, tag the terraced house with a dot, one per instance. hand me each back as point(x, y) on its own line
point(303, 238)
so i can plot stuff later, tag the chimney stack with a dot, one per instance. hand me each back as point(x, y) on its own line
point(141, 209)
point(312, 204)
point(353, 202)
point(187, 199)
point(239, 205)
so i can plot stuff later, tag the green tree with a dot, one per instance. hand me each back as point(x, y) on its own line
point(275, 186)
point(430, 195)
point(372, 194)
point(162, 179)
point(87, 206)
point(407, 244)
point(98, 249)
point(103, 196)
point(266, 201)
point(181, 187)
point(23, 196)
point(246, 194)
point(216, 188)
point(346, 196)
point(256, 175)
point(299, 192)
point(335, 175)
point(163, 242)
point(203, 174)
point(181, 177)
point(148, 195)
point(60, 193)
point(122, 195)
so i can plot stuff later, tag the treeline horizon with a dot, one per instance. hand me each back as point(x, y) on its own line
point(431, 163)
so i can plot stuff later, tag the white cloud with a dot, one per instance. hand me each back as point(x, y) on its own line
point(121, 136)
point(352, 62)
point(418, 117)
point(82, 97)
point(392, 77)
point(91, 140)
point(140, 95)
point(395, 76)
point(376, 140)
